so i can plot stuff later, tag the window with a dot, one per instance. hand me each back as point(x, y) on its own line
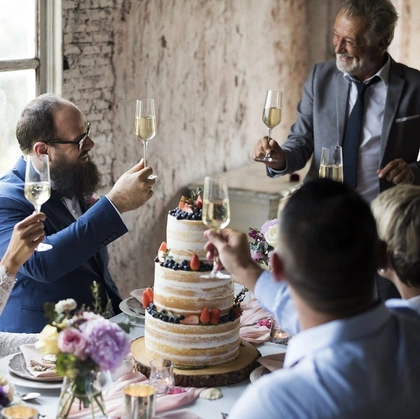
point(30, 63)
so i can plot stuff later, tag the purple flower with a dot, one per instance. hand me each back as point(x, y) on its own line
point(265, 322)
point(267, 225)
point(107, 343)
point(72, 341)
point(4, 397)
point(256, 256)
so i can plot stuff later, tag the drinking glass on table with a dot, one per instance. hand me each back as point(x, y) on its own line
point(331, 166)
point(37, 185)
point(162, 375)
point(145, 125)
point(271, 117)
point(216, 212)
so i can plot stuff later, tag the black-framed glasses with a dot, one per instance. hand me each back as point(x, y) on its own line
point(80, 141)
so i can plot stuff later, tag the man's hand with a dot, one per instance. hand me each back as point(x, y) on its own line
point(397, 171)
point(271, 147)
point(232, 247)
point(26, 236)
point(133, 189)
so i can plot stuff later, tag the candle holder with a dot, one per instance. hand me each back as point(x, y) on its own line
point(277, 335)
point(19, 412)
point(139, 401)
point(162, 375)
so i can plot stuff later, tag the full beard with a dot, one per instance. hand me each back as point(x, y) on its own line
point(75, 179)
point(353, 67)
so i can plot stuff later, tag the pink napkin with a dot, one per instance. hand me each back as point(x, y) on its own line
point(250, 330)
point(35, 365)
point(114, 396)
point(272, 362)
point(182, 414)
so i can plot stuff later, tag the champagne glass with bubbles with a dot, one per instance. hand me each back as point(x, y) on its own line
point(216, 212)
point(37, 185)
point(145, 125)
point(331, 165)
point(271, 117)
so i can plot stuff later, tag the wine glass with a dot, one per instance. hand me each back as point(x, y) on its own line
point(37, 185)
point(145, 125)
point(216, 212)
point(271, 117)
point(331, 166)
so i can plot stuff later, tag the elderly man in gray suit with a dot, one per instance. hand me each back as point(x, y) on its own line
point(381, 148)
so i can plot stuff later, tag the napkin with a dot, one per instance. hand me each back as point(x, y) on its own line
point(182, 414)
point(250, 330)
point(272, 362)
point(114, 395)
point(35, 365)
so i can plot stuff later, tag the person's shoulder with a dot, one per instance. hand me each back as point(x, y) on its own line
point(405, 70)
point(325, 68)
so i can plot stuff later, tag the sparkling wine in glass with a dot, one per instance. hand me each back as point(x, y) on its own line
point(37, 185)
point(331, 166)
point(145, 125)
point(216, 211)
point(271, 117)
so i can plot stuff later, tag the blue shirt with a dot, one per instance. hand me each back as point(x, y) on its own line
point(365, 366)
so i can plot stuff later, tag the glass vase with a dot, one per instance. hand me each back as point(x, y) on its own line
point(82, 394)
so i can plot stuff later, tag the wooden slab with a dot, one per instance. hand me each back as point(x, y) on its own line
point(219, 375)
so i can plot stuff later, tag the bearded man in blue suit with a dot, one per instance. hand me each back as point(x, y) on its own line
point(388, 140)
point(79, 235)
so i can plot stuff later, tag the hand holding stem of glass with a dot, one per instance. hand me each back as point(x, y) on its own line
point(271, 116)
point(331, 165)
point(145, 125)
point(37, 184)
point(216, 211)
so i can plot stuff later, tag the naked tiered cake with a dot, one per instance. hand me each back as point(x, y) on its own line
point(190, 320)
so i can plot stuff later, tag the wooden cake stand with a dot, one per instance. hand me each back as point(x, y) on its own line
point(219, 375)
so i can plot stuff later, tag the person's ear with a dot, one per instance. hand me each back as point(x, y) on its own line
point(384, 265)
point(40, 148)
point(277, 267)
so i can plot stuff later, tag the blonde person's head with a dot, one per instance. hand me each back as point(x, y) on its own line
point(397, 214)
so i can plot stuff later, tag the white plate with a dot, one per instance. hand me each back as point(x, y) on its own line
point(133, 308)
point(22, 377)
point(258, 373)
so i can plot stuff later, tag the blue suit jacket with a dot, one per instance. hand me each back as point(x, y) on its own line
point(322, 114)
point(78, 257)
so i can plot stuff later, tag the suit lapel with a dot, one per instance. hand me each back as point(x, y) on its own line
point(342, 93)
point(395, 88)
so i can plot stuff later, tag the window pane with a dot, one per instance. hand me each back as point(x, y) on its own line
point(17, 29)
point(17, 88)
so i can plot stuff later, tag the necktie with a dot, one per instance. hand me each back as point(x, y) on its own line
point(352, 135)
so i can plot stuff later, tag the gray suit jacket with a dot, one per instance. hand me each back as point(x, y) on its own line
point(322, 114)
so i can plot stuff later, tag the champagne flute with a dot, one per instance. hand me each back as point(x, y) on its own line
point(37, 185)
point(145, 125)
point(331, 166)
point(216, 212)
point(271, 117)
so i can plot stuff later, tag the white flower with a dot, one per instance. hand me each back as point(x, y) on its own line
point(65, 305)
point(272, 235)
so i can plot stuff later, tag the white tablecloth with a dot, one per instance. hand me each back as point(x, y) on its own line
point(47, 402)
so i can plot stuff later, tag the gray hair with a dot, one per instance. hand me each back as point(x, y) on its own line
point(36, 122)
point(380, 17)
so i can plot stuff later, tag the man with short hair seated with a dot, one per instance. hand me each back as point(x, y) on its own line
point(354, 357)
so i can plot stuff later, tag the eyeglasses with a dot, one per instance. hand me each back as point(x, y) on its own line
point(80, 141)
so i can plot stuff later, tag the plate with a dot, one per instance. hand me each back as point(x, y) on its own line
point(258, 373)
point(22, 377)
point(132, 308)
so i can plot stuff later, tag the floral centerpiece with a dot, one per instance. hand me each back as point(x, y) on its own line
point(84, 343)
point(6, 391)
point(263, 242)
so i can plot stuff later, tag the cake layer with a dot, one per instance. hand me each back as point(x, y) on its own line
point(192, 345)
point(185, 238)
point(185, 292)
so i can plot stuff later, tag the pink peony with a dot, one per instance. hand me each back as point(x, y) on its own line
point(256, 256)
point(72, 341)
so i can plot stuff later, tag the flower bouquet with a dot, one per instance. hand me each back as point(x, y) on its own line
point(263, 242)
point(84, 343)
point(6, 391)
